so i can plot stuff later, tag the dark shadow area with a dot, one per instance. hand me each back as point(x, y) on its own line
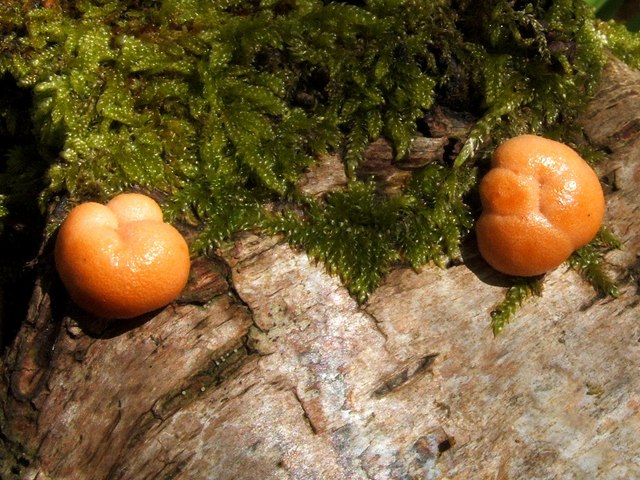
point(102, 328)
point(22, 178)
point(481, 269)
point(626, 12)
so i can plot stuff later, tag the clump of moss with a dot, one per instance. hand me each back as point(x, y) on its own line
point(223, 105)
point(621, 42)
point(359, 235)
point(588, 260)
point(521, 290)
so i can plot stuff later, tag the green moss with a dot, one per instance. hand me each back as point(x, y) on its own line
point(521, 290)
point(535, 68)
point(223, 105)
point(621, 42)
point(589, 261)
point(358, 234)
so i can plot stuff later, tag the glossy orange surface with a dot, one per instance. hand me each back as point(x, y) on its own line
point(541, 201)
point(121, 260)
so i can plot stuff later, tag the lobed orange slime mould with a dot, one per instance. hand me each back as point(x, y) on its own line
point(121, 260)
point(541, 201)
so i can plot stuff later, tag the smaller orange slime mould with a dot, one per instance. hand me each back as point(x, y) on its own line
point(120, 260)
point(541, 201)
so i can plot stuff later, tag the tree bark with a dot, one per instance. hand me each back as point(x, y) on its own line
point(266, 368)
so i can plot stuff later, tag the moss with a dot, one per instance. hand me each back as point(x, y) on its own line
point(359, 235)
point(589, 261)
point(621, 42)
point(521, 290)
point(223, 105)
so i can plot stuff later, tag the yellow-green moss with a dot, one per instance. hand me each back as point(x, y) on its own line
point(222, 105)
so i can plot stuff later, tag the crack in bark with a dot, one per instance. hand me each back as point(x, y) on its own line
point(376, 323)
point(33, 354)
point(213, 375)
point(208, 279)
point(403, 377)
point(237, 299)
point(378, 327)
point(305, 412)
point(174, 466)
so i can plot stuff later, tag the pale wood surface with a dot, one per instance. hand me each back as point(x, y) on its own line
point(268, 369)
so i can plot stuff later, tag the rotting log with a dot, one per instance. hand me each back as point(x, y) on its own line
point(267, 368)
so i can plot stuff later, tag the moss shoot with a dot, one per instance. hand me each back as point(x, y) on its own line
point(223, 105)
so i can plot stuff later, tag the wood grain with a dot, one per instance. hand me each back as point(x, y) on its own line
point(268, 369)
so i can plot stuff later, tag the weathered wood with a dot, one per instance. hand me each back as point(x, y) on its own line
point(391, 175)
point(267, 368)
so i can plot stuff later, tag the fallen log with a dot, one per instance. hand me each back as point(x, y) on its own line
point(267, 368)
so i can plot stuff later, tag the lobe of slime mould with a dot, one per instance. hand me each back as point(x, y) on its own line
point(541, 201)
